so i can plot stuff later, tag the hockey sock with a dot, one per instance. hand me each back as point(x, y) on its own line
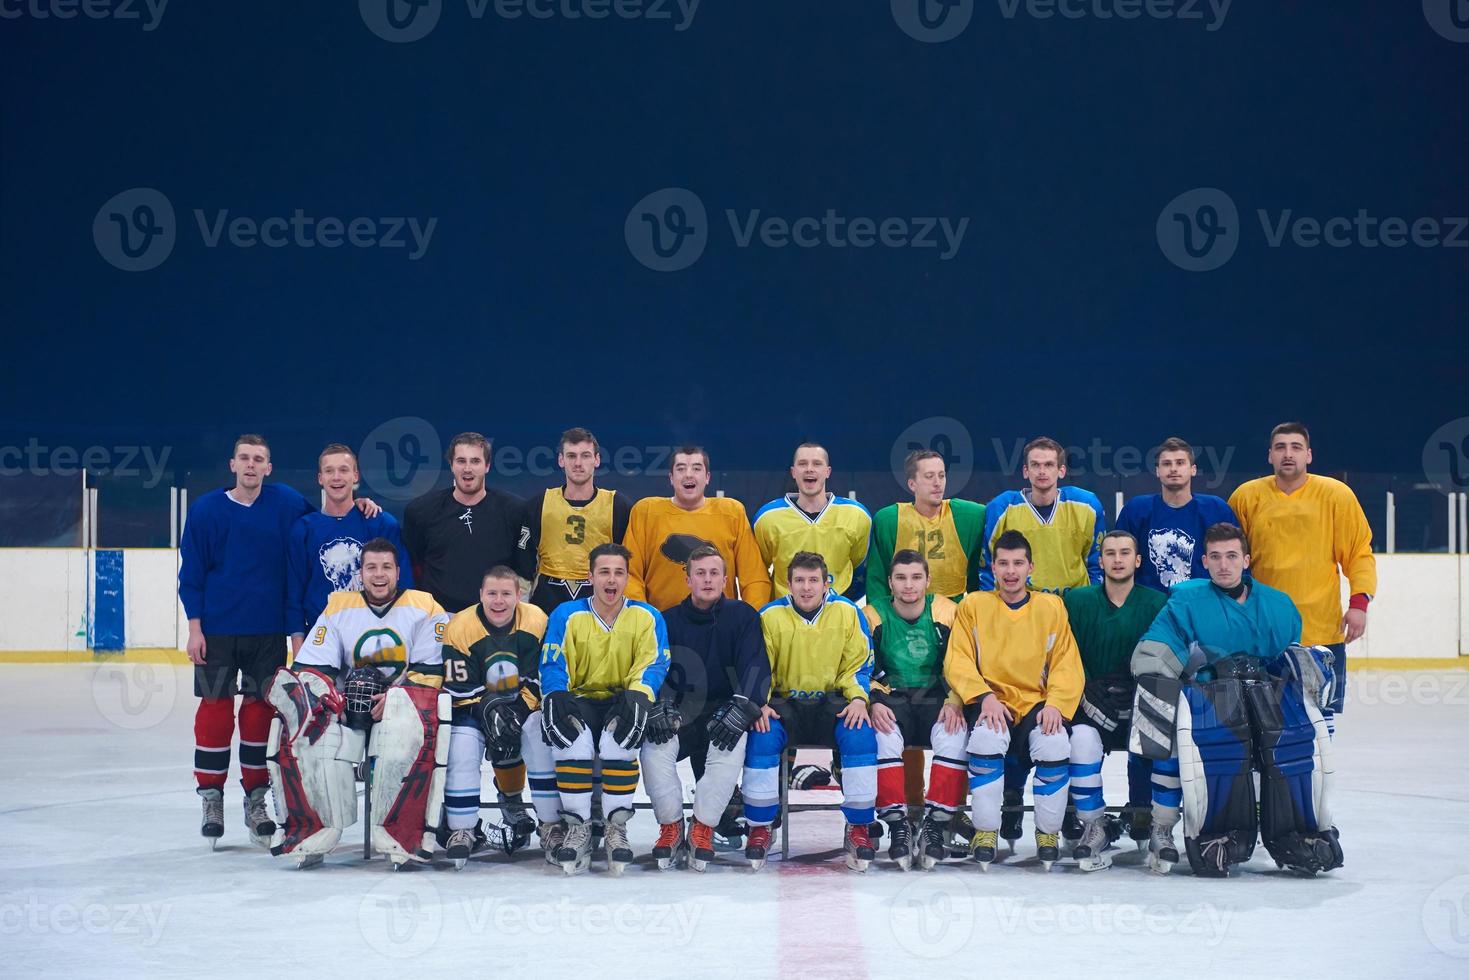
point(890, 788)
point(510, 778)
point(574, 783)
point(619, 783)
point(214, 729)
point(255, 718)
point(913, 776)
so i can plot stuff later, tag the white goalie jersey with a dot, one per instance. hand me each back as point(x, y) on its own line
point(349, 633)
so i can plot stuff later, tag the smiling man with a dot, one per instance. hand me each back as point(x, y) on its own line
point(814, 519)
point(1169, 525)
point(1063, 524)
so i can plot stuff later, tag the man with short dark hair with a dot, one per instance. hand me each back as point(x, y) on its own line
point(947, 532)
point(1064, 525)
point(816, 520)
point(455, 534)
point(1169, 526)
point(563, 524)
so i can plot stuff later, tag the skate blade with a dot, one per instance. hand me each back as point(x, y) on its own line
point(615, 868)
point(927, 863)
point(308, 861)
point(1099, 863)
point(1046, 865)
point(698, 865)
point(904, 863)
point(757, 863)
point(1159, 867)
point(1142, 846)
point(857, 864)
point(984, 866)
point(665, 863)
point(579, 866)
point(459, 863)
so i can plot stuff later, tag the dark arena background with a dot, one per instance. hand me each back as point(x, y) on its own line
point(884, 226)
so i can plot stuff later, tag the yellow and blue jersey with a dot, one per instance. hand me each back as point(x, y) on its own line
point(840, 534)
point(1065, 547)
point(809, 657)
point(596, 659)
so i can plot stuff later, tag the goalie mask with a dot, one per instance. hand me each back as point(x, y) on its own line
point(358, 689)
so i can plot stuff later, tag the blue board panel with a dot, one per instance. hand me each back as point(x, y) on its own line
point(107, 604)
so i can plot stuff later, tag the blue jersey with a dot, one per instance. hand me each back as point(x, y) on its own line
point(324, 555)
point(1197, 612)
point(1171, 539)
point(232, 561)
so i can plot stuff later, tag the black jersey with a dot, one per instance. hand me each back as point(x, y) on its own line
point(452, 545)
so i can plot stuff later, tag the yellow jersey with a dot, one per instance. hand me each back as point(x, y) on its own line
point(660, 535)
point(1022, 656)
point(810, 656)
point(839, 534)
point(595, 659)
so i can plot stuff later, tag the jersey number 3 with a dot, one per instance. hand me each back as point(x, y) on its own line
point(577, 529)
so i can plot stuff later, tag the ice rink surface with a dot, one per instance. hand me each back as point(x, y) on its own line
point(106, 875)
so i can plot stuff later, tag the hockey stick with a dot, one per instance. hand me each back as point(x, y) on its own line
point(366, 807)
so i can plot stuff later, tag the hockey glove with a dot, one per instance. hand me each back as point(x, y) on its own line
point(560, 720)
point(663, 722)
point(501, 719)
point(629, 720)
point(731, 720)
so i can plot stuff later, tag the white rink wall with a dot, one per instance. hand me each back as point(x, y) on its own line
point(1422, 608)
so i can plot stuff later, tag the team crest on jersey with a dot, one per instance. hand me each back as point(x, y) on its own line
point(341, 563)
point(678, 547)
point(502, 673)
point(1171, 551)
point(382, 647)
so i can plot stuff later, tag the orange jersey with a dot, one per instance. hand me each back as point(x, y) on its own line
point(660, 535)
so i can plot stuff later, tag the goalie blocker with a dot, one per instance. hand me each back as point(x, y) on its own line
point(312, 755)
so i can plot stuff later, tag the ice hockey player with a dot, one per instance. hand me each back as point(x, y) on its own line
point(821, 669)
point(1023, 688)
point(718, 680)
point(1107, 621)
point(910, 707)
point(492, 653)
point(602, 665)
point(383, 639)
point(1223, 680)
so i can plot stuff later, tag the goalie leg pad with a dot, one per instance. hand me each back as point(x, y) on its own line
point(1214, 758)
point(1154, 716)
point(410, 750)
point(311, 757)
point(1293, 752)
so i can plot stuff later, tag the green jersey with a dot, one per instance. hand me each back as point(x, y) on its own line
point(1105, 634)
point(909, 655)
point(952, 543)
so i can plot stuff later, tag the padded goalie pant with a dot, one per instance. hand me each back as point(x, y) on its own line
point(1226, 729)
point(465, 773)
point(987, 748)
point(713, 788)
point(810, 722)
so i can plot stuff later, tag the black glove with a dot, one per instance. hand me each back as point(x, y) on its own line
point(560, 720)
point(629, 719)
point(502, 718)
point(731, 720)
point(663, 722)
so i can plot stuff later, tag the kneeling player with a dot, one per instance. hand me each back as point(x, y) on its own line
point(377, 640)
point(602, 665)
point(718, 680)
point(1013, 663)
point(910, 633)
point(1224, 686)
point(492, 653)
point(821, 668)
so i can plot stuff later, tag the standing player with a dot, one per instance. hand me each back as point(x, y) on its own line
point(564, 523)
point(1107, 621)
point(232, 584)
point(1307, 531)
point(602, 665)
point(821, 670)
point(949, 534)
point(663, 531)
point(910, 634)
point(1169, 526)
point(814, 519)
point(1013, 663)
point(324, 554)
point(394, 637)
point(718, 680)
point(492, 653)
point(455, 534)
